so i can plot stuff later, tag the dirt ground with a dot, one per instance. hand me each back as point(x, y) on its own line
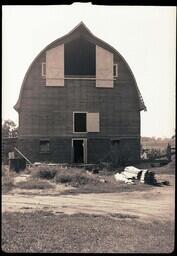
point(130, 219)
point(157, 203)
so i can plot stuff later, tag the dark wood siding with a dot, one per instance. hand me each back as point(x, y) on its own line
point(49, 110)
point(46, 112)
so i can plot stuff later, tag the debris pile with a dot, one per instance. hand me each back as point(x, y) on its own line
point(131, 174)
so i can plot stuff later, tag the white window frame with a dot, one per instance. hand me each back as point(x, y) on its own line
point(74, 122)
point(43, 71)
point(85, 112)
point(115, 65)
point(85, 148)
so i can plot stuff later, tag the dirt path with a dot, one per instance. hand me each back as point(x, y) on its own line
point(157, 203)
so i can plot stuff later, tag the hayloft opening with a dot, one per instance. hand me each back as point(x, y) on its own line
point(80, 122)
point(79, 57)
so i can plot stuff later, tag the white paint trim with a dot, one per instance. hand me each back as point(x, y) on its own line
point(83, 78)
point(87, 78)
point(115, 65)
point(43, 71)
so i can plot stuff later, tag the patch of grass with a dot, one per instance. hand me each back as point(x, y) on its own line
point(124, 216)
point(107, 188)
point(72, 176)
point(34, 184)
point(75, 177)
point(42, 232)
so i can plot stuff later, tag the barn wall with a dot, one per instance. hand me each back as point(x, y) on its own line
point(98, 150)
point(48, 110)
point(60, 150)
point(102, 150)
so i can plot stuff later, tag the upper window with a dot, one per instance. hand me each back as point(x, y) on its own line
point(115, 70)
point(43, 69)
point(80, 122)
point(86, 122)
point(79, 57)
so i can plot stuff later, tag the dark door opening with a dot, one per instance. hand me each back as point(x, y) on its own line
point(78, 147)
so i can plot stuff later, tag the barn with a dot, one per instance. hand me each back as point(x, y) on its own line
point(79, 103)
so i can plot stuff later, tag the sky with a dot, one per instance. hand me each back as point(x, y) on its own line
point(144, 35)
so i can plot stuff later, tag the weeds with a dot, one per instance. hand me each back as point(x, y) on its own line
point(34, 184)
point(44, 172)
point(74, 177)
point(71, 176)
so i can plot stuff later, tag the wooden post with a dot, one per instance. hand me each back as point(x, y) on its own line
point(11, 156)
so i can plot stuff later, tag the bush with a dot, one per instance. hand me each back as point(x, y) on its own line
point(44, 172)
point(63, 178)
point(154, 153)
point(74, 177)
point(34, 184)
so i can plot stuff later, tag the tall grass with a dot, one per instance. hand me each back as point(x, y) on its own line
point(72, 176)
point(75, 177)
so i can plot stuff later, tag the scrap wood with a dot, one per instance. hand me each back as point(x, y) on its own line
point(121, 177)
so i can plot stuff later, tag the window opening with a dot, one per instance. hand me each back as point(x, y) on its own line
point(80, 122)
point(44, 146)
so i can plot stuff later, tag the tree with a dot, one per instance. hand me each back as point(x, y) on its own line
point(9, 129)
point(174, 135)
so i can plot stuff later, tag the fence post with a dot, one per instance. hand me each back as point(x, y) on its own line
point(11, 156)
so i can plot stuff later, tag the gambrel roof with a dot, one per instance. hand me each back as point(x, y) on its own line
point(79, 30)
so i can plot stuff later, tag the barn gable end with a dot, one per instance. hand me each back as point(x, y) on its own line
point(79, 73)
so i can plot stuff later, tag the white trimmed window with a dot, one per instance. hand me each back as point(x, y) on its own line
point(84, 122)
point(43, 69)
point(115, 70)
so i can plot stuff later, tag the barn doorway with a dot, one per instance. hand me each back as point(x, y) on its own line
point(79, 150)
